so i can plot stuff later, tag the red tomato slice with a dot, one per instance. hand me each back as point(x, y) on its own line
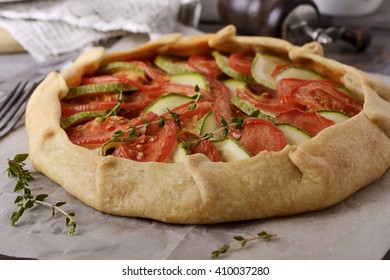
point(149, 116)
point(189, 118)
point(208, 149)
point(94, 133)
point(261, 135)
point(104, 79)
point(317, 95)
point(279, 68)
point(218, 89)
point(205, 64)
point(152, 72)
point(108, 79)
point(187, 90)
point(223, 109)
point(271, 105)
point(150, 147)
point(70, 109)
point(200, 147)
point(241, 62)
point(309, 121)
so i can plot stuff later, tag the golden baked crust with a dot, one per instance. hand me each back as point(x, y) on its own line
point(316, 174)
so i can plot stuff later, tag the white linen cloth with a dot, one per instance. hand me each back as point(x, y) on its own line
point(50, 27)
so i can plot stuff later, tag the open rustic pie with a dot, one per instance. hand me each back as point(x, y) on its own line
point(260, 154)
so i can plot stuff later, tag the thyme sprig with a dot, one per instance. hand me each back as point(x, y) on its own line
point(26, 200)
point(225, 126)
point(133, 131)
point(242, 242)
point(195, 98)
point(114, 111)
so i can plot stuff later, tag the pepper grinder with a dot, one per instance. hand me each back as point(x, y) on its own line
point(297, 21)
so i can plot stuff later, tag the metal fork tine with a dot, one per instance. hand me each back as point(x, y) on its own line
point(13, 107)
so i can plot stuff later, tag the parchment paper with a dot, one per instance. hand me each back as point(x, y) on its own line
point(357, 228)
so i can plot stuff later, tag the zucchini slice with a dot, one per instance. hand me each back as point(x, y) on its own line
point(191, 79)
point(173, 65)
point(335, 116)
point(179, 153)
point(209, 124)
point(262, 67)
point(118, 65)
point(93, 89)
point(167, 102)
point(80, 117)
point(233, 85)
point(294, 135)
point(299, 73)
point(231, 150)
point(248, 109)
point(223, 64)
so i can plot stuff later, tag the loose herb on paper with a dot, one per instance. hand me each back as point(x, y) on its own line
point(242, 242)
point(26, 200)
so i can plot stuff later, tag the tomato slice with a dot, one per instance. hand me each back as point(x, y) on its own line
point(187, 90)
point(309, 121)
point(261, 135)
point(271, 105)
point(156, 147)
point(152, 72)
point(189, 119)
point(109, 79)
point(94, 133)
point(279, 68)
point(218, 89)
point(241, 62)
point(70, 109)
point(205, 64)
point(104, 79)
point(200, 146)
point(223, 109)
point(262, 91)
point(317, 95)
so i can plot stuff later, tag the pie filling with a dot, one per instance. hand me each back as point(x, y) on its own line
point(227, 107)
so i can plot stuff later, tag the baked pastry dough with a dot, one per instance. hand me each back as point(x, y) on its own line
point(314, 175)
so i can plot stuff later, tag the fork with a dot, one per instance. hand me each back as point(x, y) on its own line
point(13, 106)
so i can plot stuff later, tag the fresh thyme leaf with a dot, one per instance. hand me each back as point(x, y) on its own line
point(265, 235)
point(20, 158)
point(238, 122)
point(197, 89)
point(18, 199)
point(29, 204)
point(255, 113)
point(215, 254)
point(25, 200)
point(161, 121)
point(238, 238)
point(117, 134)
point(58, 204)
point(223, 121)
point(131, 131)
point(196, 98)
point(146, 123)
point(192, 106)
point(175, 117)
point(41, 197)
point(207, 136)
point(185, 145)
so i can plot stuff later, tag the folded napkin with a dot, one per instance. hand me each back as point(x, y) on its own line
point(47, 28)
